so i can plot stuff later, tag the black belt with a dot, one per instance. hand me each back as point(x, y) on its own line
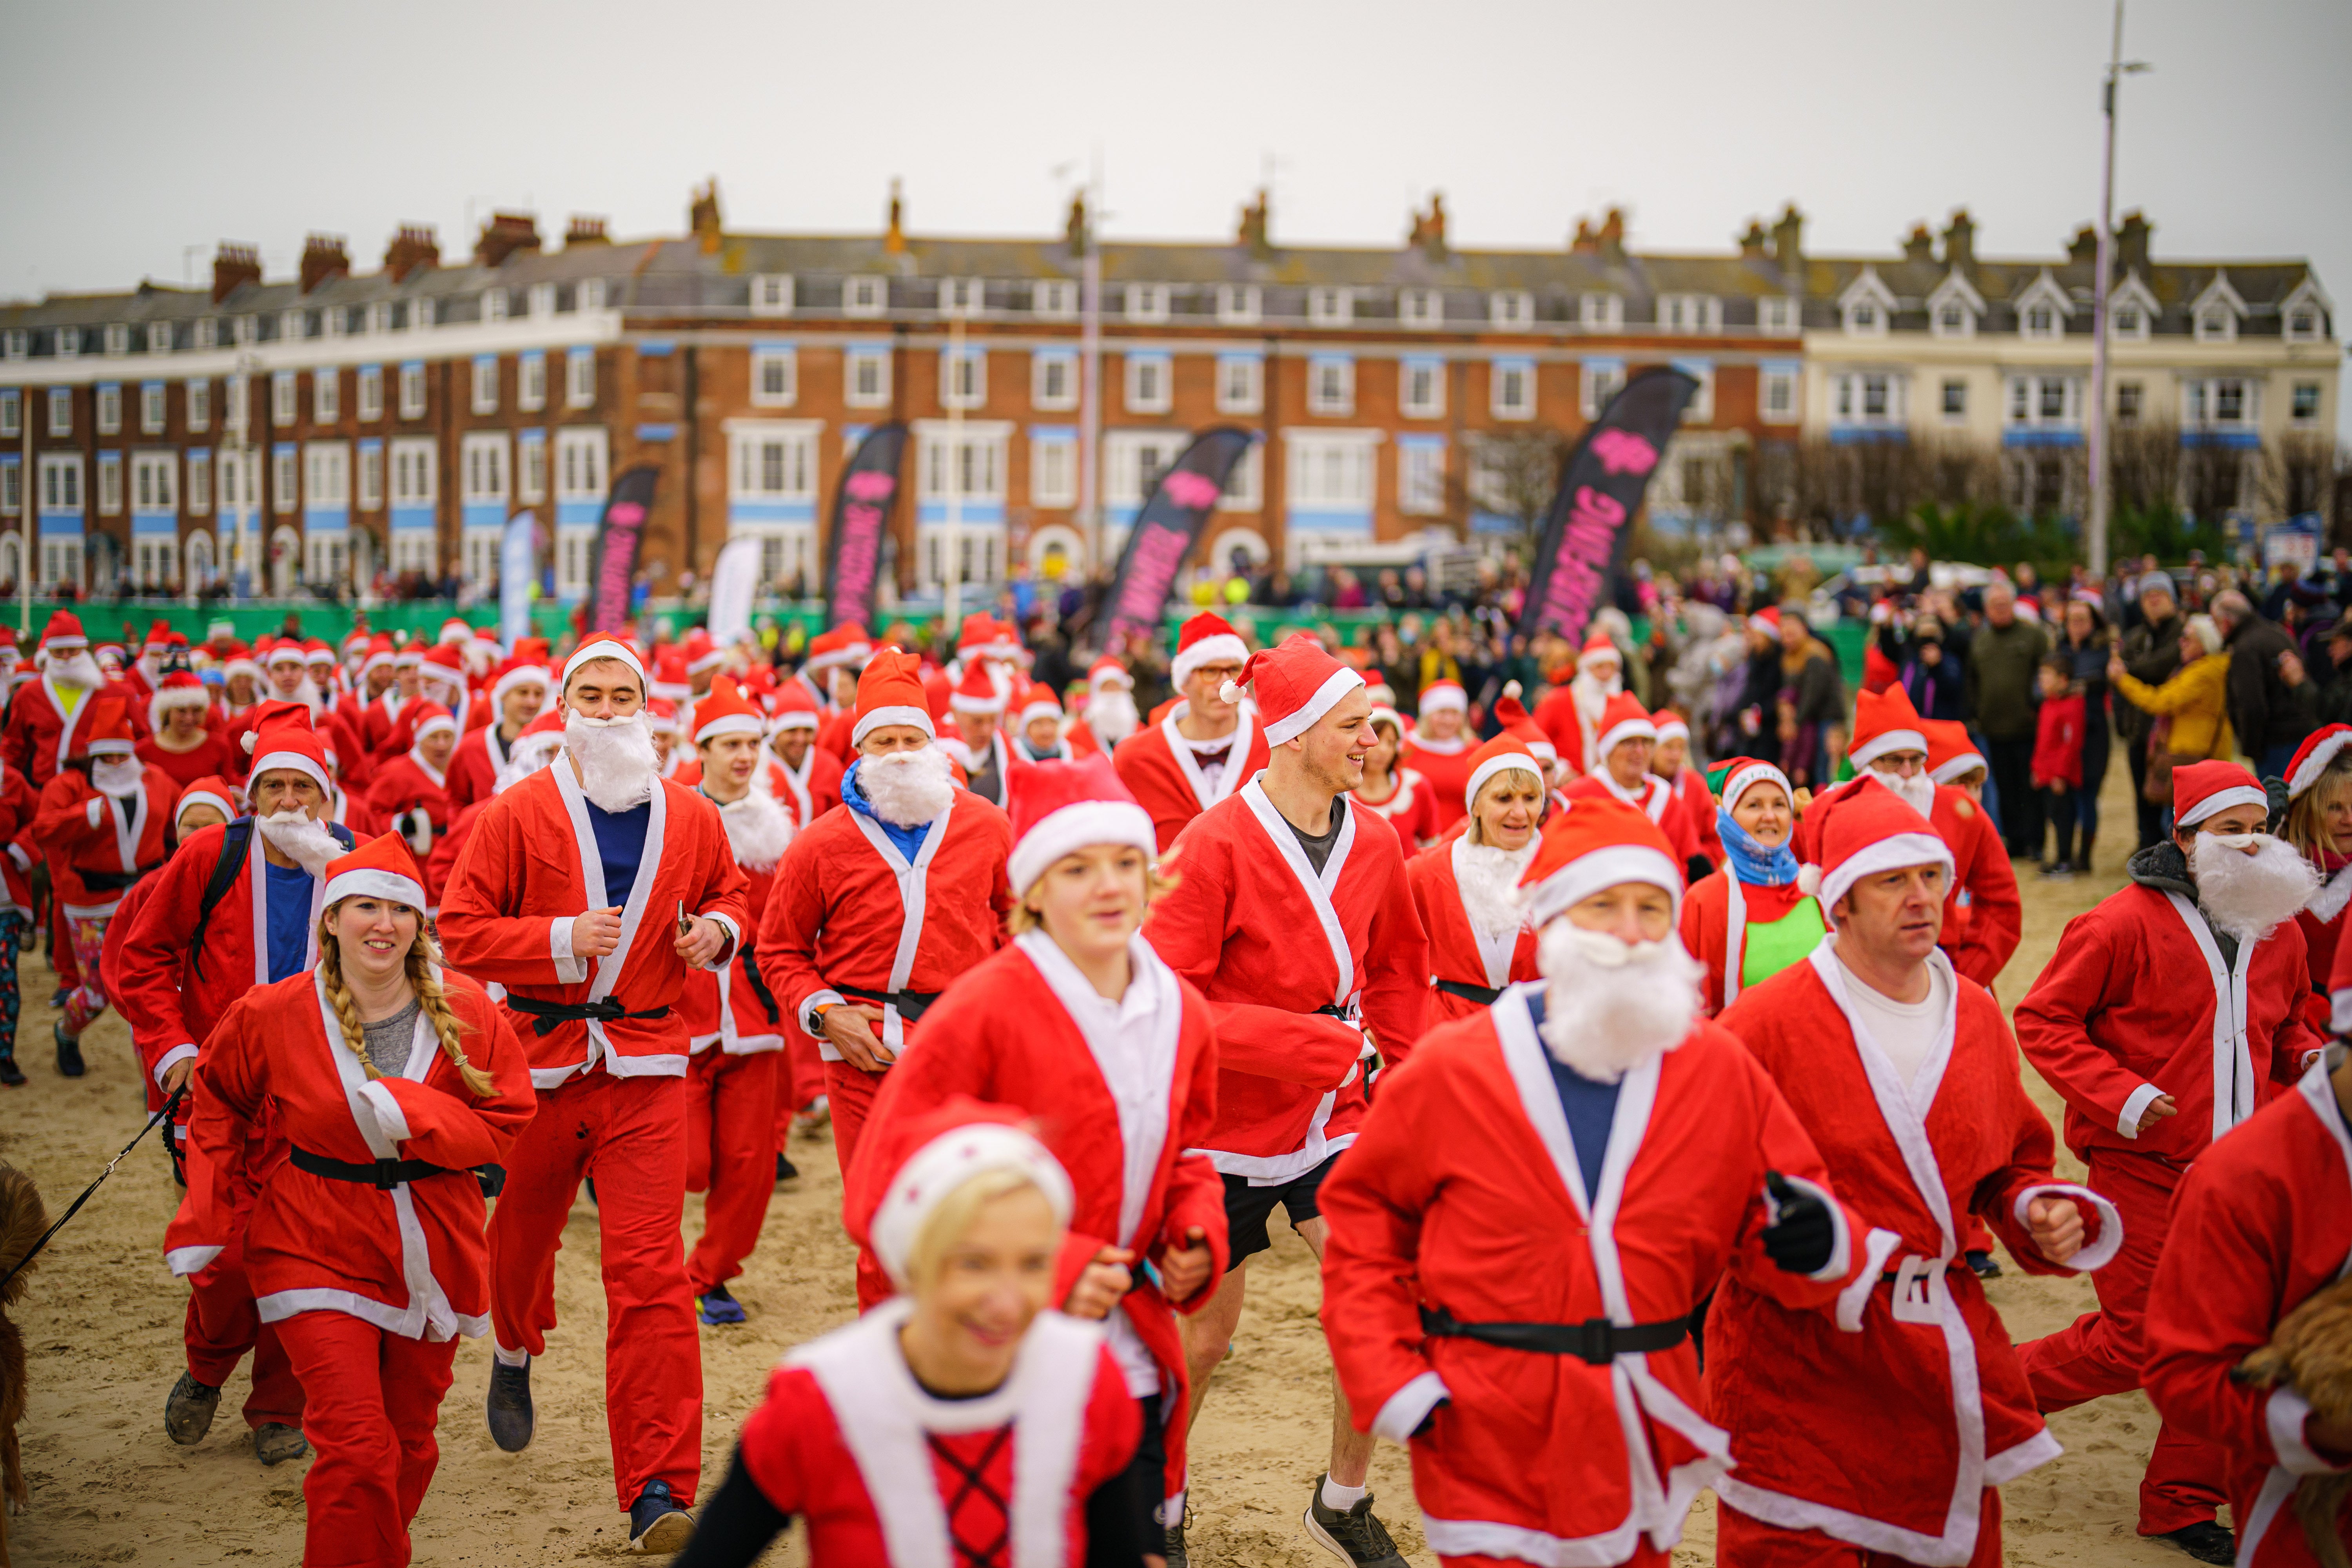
point(1596, 1342)
point(551, 1013)
point(758, 985)
point(382, 1175)
point(1483, 994)
point(911, 1004)
point(1333, 1010)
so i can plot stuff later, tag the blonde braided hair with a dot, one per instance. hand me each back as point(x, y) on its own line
point(423, 955)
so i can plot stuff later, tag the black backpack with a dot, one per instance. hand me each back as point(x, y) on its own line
point(236, 844)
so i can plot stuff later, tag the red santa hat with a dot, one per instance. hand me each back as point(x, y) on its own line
point(408, 657)
point(317, 652)
point(217, 792)
point(532, 750)
point(1596, 843)
point(1207, 638)
point(1039, 702)
point(420, 719)
point(1952, 755)
point(1294, 684)
point(724, 711)
point(890, 691)
point(2202, 789)
point(379, 653)
point(1445, 696)
point(977, 691)
point(63, 633)
point(1059, 808)
point(2311, 758)
point(159, 632)
point(455, 630)
point(670, 678)
point(1623, 719)
point(1504, 753)
point(379, 869)
point(1512, 715)
point(1884, 722)
point(980, 638)
point(178, 689)
point(1108, 671)
point(1598, 648)
point(518, 674)
point(1863, 829)
point(1743, 773)
point(358, 642)
point(661, 716)
point(795, 710)
point(701, 653)
point(240, 661)
point(1382, 714)
point(445, 666)
point(845, 644)
point(603, 647)
point(931, 1155)
point(106, 730)
point(1670, 725)
point(282, 737)
point(1765, 620)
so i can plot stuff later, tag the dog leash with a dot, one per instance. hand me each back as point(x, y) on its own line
point(170, 1103)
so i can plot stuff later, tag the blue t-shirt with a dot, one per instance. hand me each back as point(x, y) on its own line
point(620, 845)
point(1591, 1109)
point(287, 903)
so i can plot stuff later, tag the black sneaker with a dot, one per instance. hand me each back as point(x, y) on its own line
point(2206, 1540)
point(509, 1406)
point(10, 1073)
point(274, 1442)
point(786, 1169)
point(1177, 1556)
point(69, 1060)
point(57, 1002)
point(1354, 1536)
point(1984, 1266)
point(656, 1521)
point(188, 1410)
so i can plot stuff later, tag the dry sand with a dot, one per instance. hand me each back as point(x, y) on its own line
point(102, 1325)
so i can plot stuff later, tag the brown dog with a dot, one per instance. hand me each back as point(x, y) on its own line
point(21, 1221)
point(2312, 1349)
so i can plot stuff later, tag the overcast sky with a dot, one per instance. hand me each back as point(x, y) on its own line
point(145, 133)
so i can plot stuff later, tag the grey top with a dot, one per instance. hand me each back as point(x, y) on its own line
point(389, 1040)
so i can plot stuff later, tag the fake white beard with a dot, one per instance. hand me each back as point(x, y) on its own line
point(116, 776)
point(1610, 1008)
point(1592, 694)
point(908, 789)
point(758, 829)
point(1489, 879)
point(307, 842)
point(307, 694)
point(1111, 715)
point(151, 667)
point(1918, 792)
point(2248, 895)
point(618, 765)
point(524, 759)
point(80, 672)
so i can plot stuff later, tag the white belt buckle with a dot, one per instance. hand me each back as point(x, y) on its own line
point(1919, 1290)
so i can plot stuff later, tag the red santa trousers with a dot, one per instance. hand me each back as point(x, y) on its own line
point(222, 1324)
point(630, 1135)
point(1742, 1541)
point(2100, 1352)
point(851, 1092)
point(800, 1083)
point(730, 1153)
point(61, 950)
point(374, 1398)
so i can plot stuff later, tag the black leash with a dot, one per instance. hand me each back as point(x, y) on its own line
point(170, 1103)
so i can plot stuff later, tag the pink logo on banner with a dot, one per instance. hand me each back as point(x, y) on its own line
point(873, 485)
point(1623, 452)
point(1195, 492)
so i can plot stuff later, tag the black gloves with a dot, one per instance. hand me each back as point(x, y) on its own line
point(1804, 1235)
point(1698, 868)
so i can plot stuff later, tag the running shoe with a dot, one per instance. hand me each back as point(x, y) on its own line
point(656, 1524)
point(509, 1406)
point(188, 1410)
point(1353, 1535)
point(718, 1308)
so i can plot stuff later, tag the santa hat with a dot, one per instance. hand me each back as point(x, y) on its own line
point(317, 652)
point(931, 1155)
point(846, 644)
point(178, 689)
point(1504, 753)
point(358, 642)
point(106, 730)
point(63, 633)
point(1765, 620)
point(1742, 773)
point(282, 737)
point(407, 657)
point(1863, 829)
point(1059, 808)
point(455, 630)
point(977, 692)
point(532, 750)
point(379, 653)
point(1512, 715)
point(1670, 725)
point(1108, 671)
point(980, 638)
point(2202, 789)
point(1884, 722)
point(538, 651)
point(1623, 719)
point(517, 674)
point(1207, 638)
point(603, 647)
point(670, 678)
point(795, 708)
point(701, 653)
point(445, 665)
point(379, 869)
point(217, 792)
point(890, 691)
point(1596, 649)
point(661, 717)
point(1596, 843)
point(1039, 702)
point(1294, 684)
point(1445, 696)
point(2311, 758)
point(157, 632)
point(724, 711)
point(1952, 755)
point(420, 719)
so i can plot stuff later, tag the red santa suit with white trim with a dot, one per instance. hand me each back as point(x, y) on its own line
point(410, 795)
point(2321, 919)
point(1913, 1405)
point(1122, 1091)
point(368, 1285)
point(39, 733)
point(1444, 761)
point(482, 750)
point(1174, 777)
point(1654, 1138)
point(2151, 997)
point(1719, 908)
point(608, 1055)
point(1109, 715)
point(1411, 805)
point(812, 786)
point(1479, 941)
point(1626, 721)
point(1573, 712)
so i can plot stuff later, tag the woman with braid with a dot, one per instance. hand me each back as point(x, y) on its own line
point(388, 1079)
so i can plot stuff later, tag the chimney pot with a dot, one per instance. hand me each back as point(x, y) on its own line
point(894, 238)
point(413, 246)
point(505, 234)
point(1612, 237)
point(1587, 242)
point(703, 217)
point(1753, 246)
point(2132, 237)
point(1960, 241)
point(323, 258)
point(234, 265)
point(1921, 245)
point(1257, 227)
point(584, 230)
point(1788, 243)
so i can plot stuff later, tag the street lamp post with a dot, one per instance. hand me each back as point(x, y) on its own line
point(2095, 431)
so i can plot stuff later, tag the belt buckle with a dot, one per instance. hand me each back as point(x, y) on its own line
point(1592, 1346)
point(387, 1175)
point(1918, 1290)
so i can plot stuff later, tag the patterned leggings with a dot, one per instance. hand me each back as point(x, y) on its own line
point(12, 932)
point(88, 1001)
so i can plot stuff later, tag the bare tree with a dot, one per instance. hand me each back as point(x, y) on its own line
point(2143, 466)
point(2298, 476)
point(1511, 476)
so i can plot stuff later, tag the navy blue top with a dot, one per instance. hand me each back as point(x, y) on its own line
point(1589, 1107)
point(620, 845)
point(286, 901)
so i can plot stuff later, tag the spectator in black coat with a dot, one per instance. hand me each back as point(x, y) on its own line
point(2270, 724)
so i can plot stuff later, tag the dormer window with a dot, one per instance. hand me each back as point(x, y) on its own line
point(159, 337)
point(1952, 320)
point(865, 296)
point(1146, 301)
point(494, 305)
point(1601, 313)
point(2217, 325)
point(1057, 300)
point(1421, 308)
point(1777, 315)
point(2128, 323)
point(543, 299)
point(1511, 308)
point(2038, 321)
point(1331, 306)
point(1864, 318)
point(292, 326)
point(207, 333)
point(1689, 313)
point(1238, 304)
point(961, 295)
point(2303, 324)
point(421, 314)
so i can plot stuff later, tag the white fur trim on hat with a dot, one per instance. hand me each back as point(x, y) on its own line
point(664, 723)
point(1438, 698)
point(883, 717)
point(368, 882)
point(945, 1163)
point(711, 661)
point(410, 655)
point(1507, 762)
point(2316, 764)
point(1671, 726)
point(203, 797)
point(1226, 648)
point(111, 748)
point(604, 648)
point(1589, 873)
point(521, 675)
point(2221, 800)
point(1073, 829)
point(1592, 656)
point(727, 724)
point(1631, 729)
point(372, 661)
point(796, 719)
point(1954, 769)
point(245, 665)
point(438, 721)
point(271, 761)
point(1336, 685)
point(963, 704)
point(1889, 853)
point(1738, 783)
point(1888, 740)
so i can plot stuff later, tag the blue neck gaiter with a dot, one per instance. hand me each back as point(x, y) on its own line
point(1750, 861)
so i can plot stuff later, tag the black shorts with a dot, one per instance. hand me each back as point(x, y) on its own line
point(1247, 1210)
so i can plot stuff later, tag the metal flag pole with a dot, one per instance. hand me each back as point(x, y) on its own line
point(2095, 431)
point(953, 384)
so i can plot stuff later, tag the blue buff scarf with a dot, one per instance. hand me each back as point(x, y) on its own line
point(1750, 861)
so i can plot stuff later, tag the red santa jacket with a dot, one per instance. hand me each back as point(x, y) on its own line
point(1292, 1012)
point(532, 866)
point(1446, 765)
point(98, 844)
point(1556, 715)
point(474, 766)
point(1458, 1195)
point(849, 1441)
point(850, 916)
point(1716, 913)
point(1698, 805)
point(1411, 808)
point(2138, 1002)
point(1459, 954)
point(1124, 1108)
point(1654, 797)
point(1156, 765)
point(378, 720)
point(213, 757)
point(38, 735)
point(19, 803)
point(1982, 917)
point(2322, 921)
point(2261, 1221)
point(412, 1260)
point(732, 1007)
point(402, 786)
point(812, 789)
point(1816, 1405)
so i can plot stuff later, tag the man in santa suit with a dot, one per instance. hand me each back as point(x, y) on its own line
point(978, 746)
point(2169, 1015)
point(732, 1022)
point(1438, 750)
point(804, 774)
point(1670, 760)
point(241, 683)
point(379, 717)
point(541, 742)
point(879, 906)
point(410, 792)
point(1628, 736)
point(1260, 875)
point(829, 675)
point(374, 677)
point(1549, 1393)
point(2262, 1222)
point(517, 697)
point(442, 679)
point(588, 891)
point(39, 733)
point(1037, 727)
point(1110, 716)
point(1466, 888)
point(1572, 712)
point(1912, 1406)
point(1204, 748)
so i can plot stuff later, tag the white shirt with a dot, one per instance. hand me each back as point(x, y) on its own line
point(1906, 1031)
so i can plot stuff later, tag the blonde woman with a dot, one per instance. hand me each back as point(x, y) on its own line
point(1404, 799)
point(2192, 706)
point(2319, 824)
point(389, 1079)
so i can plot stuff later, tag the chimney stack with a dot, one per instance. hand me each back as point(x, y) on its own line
point(1587, 242)
point(505, 234)
point(1960, 241)
point(703, 217)
point(894, 237)
point(2083, 250)
point(1753, 246)
point(413, 246)
point(1788, 244)
point(1921, 245)
point(1428, 234)
point(1074, 232)
point(234, 267)
point(2132, 243)
point(584, 230)
point(1257, 227)
point(1612, 237)
point(323, 258)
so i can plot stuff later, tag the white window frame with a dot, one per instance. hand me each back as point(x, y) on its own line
point(109, 408)
point(1423, 307)
point(1431, 407)
point(1945, 410)
point(68, 343)
point(780, 364)
point(1420, 476)
point(285, 480)
point(1852, 391)
point(200, 483)
point(864, 295)
point(1598, 311)
point(1779, 316)
point(415, 478)
point(963, 377)
point(1054, 470)
point(1240, 304)
point(579, 378)
point(16, 343)
point(1513, 308)
point(197, 405)
point(420, 315)
point(12, 488)
point(60, 420)
point(1133, 461)
point(1241, 383)
point(118, 340)
point(1331, 470)
point(1042, 364)
point(1790, 378)
point(2295, 395)
point(485, 467)
point(412, 392)
point(1331, 305)
point(369, 486)
point(155, 410)
point(1700, 409)
point(159, 337)
point(293, 326)
point(2308, 333)
point(590, 295)
point(369, 398)
point(155, 483)
point(772, 294)
point(12, 412)
point(1245, 486)
point(581, 463)
point(326, 475)
point(482, 380)
point(1145, 302)
point(326, 395)
point(963, 296)
point(494, 304)
point(852, 361)
point(109, 484)
point(1597, 381)
point(530, 380)
point(379, 317)
point(1054, 299)
point(60, 479)
point(773, 460)
point(1149, 382)
point(2216, 323)
point(1330, 385)
point(1690, 314)
point(207, 333)
point(284, 399)
point(1507, 375)
point(530, 467)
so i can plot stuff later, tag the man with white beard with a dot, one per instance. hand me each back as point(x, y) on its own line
point(1110, 716)
point(588, 891)
point(1549, 1393)
point(39, 735)
point(1571, 712)
point(2169, 1015)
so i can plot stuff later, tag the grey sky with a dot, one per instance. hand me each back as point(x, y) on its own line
point(133, 155)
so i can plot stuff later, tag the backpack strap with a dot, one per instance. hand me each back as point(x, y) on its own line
point(237, 842)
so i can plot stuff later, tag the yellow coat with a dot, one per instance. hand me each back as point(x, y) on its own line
point(2196, 699)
